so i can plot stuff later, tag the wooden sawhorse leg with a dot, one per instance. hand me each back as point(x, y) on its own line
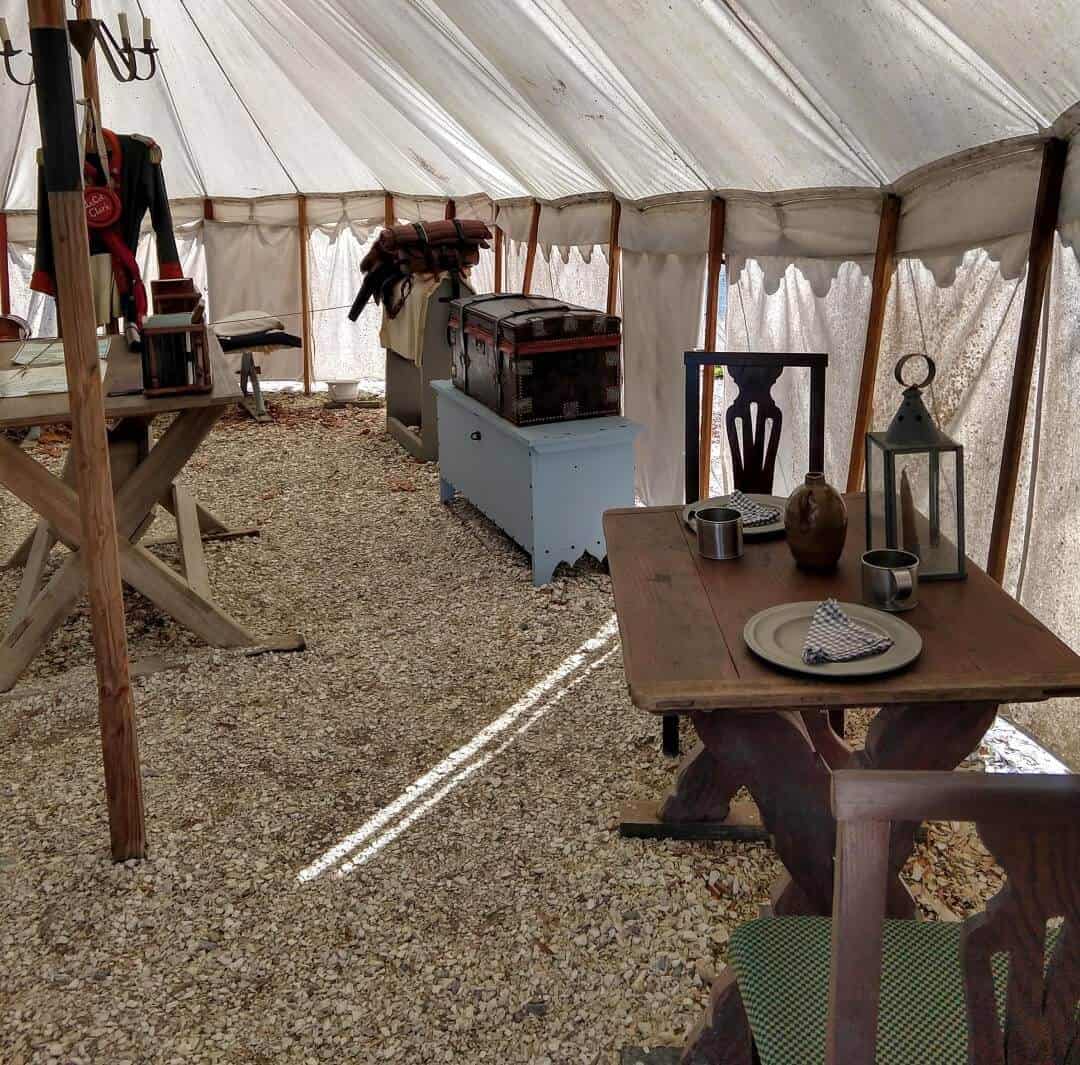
point(142, 476)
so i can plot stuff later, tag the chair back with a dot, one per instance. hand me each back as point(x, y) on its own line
point(753, 422)
point(1031, 826)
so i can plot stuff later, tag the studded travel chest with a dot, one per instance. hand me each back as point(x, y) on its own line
point(533, 359)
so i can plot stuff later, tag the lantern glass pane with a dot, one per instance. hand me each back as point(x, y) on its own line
point(926, 509)
point(876, 534)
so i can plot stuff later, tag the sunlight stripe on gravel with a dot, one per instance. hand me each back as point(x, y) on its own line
point(454, 769)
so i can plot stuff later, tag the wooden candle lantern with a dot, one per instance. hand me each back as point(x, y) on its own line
point(176, 353)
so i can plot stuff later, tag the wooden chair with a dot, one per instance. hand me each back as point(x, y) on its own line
point(753, 423)
point(1001, 988)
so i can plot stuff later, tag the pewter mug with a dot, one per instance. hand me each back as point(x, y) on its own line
point(890, 579)
point(719, 532)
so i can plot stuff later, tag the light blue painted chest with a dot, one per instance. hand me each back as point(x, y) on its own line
point(546, 486)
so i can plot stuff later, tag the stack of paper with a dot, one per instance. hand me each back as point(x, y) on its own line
point(36, 380)
point(50, 352)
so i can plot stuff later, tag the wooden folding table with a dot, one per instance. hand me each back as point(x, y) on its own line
point(681, 620)
point(144, 475)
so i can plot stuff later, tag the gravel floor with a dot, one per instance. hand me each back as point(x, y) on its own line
point(507, 922)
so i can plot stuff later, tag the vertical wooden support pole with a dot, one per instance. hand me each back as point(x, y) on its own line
point(305, 290)
point(884, 265)
point(388, 210)
point(451, 210)
point(93, 482)
point(5, 279)
point(1040, 252)
point(208, 209)
point(717, 218)
point(613, 258)
point(498, 258)
point(530, 248)
point(84, 9)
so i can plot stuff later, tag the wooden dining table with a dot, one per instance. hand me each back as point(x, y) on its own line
point(681, 620)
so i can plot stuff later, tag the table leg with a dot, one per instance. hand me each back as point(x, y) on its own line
point(722, 1036)
point(48, 611)
point(189, 536)
point(142, 475)
point(698, 806)
point(921, 737)
point(21, 554)
point(40, 545)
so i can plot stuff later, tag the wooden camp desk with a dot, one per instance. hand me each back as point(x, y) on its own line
point(144, 476)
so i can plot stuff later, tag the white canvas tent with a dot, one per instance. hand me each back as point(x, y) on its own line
point(800, 114)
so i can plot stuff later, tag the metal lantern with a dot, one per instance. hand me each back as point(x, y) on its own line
point(915, 486)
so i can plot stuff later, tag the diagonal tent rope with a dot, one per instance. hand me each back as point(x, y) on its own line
point(240, 99)
point(958, 47)
point(817, 107)
point(486, 72)
point(188, 146)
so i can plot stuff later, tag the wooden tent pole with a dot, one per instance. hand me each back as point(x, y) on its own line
point(305, 290)
point(451, 210)
point(84, 9)
point(388, 210)
point(1040, 252)
point(717, 219)
point(613, 257)
point(93, 482)
point(208, 209)
point(5, 279)
point(530, 250)
point(884, 265)
point(498, 246)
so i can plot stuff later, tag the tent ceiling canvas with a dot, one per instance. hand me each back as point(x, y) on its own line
point(549, 99)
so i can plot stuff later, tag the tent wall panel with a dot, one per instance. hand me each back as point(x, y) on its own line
point(343, 350)
point(665, 294)
point(257, 267)
point(805, 305)
point(967, 317)
point(1051, 493)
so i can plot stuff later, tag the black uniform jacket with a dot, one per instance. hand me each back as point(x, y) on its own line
point(141, 187)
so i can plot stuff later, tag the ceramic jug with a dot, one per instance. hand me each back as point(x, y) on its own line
point(816, 522)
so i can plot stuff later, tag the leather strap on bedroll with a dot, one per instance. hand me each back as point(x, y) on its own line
point(449, 246)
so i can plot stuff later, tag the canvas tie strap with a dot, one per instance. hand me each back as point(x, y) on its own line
point(834, 637)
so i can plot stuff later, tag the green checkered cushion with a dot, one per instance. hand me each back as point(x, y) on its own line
point(782, 964)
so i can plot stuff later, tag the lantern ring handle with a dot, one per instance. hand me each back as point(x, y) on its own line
point(931, 370)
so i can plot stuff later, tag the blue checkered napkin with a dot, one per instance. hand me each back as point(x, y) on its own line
point(752, 513)
point(834, 637)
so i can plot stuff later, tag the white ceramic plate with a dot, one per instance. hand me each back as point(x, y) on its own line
point(778, 635)
point(749, 532)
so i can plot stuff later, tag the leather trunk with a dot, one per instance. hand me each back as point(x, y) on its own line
point(533, 359)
